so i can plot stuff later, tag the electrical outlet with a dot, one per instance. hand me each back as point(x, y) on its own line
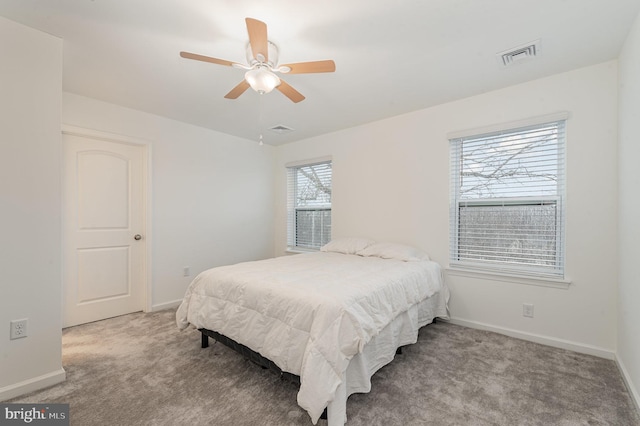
point(527, 310)
point(186, 271)
point(18, 329)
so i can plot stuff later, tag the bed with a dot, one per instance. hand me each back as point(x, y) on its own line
point(332, 317)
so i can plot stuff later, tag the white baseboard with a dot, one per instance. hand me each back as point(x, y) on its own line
point(635, 396)
point(166, 305)
point(33, 384)
point(549, 341)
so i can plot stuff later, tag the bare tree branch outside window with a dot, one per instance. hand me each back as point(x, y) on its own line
point(510, 166)
point(314, 184)
point(508, 197)
point(311, 213)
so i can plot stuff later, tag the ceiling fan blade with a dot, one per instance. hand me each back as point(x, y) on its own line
point(238, 90)
point(289, 91)
point(197, 57)
point(310, 67)
point(258, 38)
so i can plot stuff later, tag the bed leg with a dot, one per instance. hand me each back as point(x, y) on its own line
point(205, 341)
point(324, 414)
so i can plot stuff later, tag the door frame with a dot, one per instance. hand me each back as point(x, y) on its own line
point(67, 129)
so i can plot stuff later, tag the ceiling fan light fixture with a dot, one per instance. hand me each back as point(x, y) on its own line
point(262, 80)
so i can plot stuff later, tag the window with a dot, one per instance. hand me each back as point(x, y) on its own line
point(507, 200)
point(309, 205)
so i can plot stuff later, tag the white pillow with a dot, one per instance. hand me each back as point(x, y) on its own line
point(347, 245)
point(394, 251)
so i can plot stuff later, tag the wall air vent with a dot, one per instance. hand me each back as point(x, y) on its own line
point(519, 54)
point(280, 129)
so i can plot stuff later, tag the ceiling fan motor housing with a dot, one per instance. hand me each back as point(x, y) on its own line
point(254, 60)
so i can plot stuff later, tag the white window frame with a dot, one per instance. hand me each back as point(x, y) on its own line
point(504, 270)
point(293, 244)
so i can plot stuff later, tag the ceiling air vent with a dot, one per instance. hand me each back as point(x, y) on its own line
point(281, 129)
point(519, 54)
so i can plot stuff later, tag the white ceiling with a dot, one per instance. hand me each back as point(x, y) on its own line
point(391, 56)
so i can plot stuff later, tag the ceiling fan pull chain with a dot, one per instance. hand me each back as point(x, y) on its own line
point(260, 118)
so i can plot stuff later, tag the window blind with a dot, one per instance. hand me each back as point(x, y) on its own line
point(507, 200)
point(309, 205)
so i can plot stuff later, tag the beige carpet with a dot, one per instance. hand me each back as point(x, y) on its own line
point(139, 369)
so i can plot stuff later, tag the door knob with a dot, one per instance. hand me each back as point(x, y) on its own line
point(137, 237)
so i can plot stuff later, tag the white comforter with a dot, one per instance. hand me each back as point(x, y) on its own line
point(308, 313)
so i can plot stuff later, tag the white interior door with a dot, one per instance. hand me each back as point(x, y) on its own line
point(104, 229)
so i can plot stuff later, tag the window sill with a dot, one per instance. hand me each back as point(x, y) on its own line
point(297, 250)
point(510, 278)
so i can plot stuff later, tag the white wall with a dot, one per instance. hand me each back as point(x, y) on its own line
point(391, 183)
point(212, 194)
point(30, 207)
point(629, 211)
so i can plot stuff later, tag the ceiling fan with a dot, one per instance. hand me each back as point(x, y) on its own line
point(262, 58)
